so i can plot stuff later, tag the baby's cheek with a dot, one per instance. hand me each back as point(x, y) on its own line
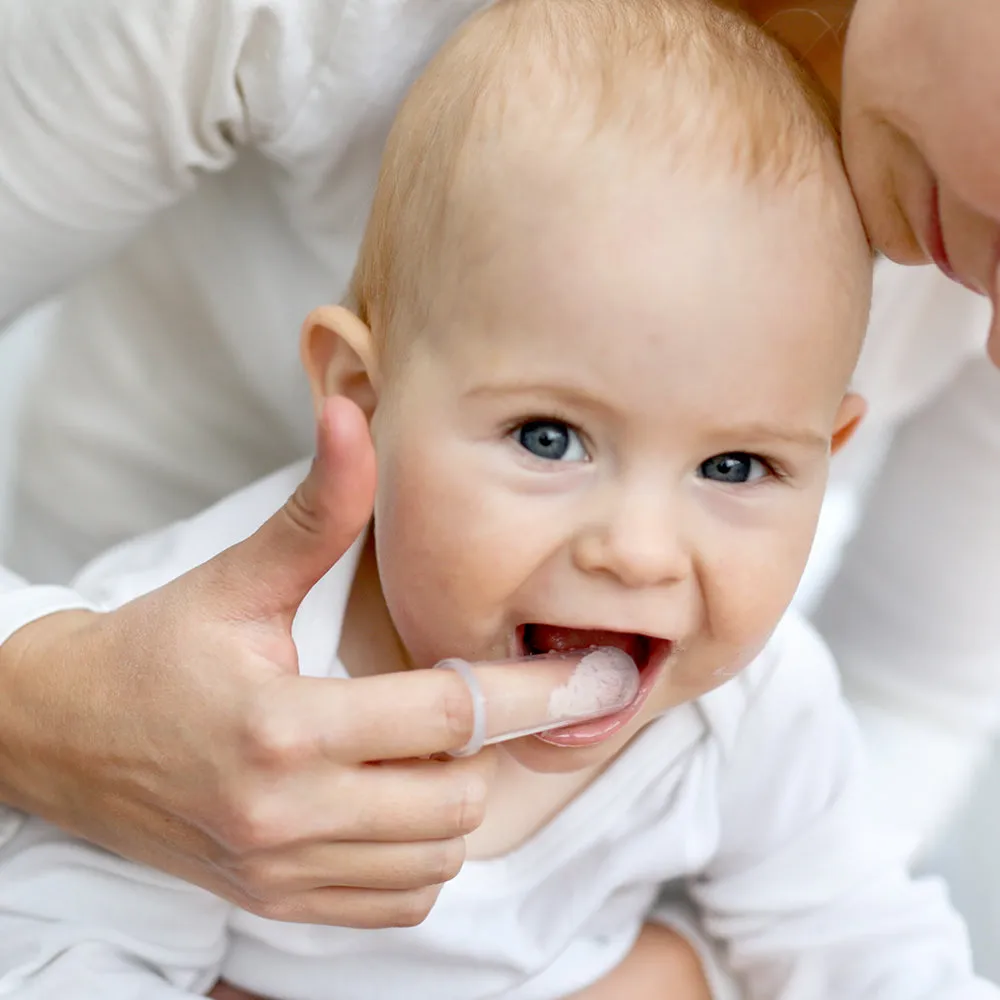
point(747, 578)
point(416, 567)
point(436, 577)
point(746, 596)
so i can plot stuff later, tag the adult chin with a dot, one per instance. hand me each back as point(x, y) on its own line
point(993, 344)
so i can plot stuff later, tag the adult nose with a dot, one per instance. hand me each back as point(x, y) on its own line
point(637, 538)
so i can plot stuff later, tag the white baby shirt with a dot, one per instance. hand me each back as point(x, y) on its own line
point(749, 797)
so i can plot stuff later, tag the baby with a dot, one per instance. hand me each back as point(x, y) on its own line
point(604, 318)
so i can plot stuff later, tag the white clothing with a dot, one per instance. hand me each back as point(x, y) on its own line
point(911, 614)
point(751, 796)
point(199, 175)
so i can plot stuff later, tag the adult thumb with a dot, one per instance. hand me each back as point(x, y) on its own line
point(295, 547)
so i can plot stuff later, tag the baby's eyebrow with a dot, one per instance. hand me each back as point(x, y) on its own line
point(567, 393)
point(806, 438)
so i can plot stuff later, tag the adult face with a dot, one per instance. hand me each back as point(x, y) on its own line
point(920, 96)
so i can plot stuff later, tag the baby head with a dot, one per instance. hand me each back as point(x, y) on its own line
point(608, 303)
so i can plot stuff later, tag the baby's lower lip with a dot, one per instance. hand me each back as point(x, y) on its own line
point(585, 734)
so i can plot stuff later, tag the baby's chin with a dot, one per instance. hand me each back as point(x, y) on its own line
point(536, 755)
point(543, 758)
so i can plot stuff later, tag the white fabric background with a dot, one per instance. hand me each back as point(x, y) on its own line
point(19, 349)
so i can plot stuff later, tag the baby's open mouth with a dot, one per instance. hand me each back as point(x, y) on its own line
point(649, 653)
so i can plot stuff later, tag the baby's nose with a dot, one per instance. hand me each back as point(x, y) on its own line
point(639, 543)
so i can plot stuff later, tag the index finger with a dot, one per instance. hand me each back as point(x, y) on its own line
point(420, 713)
point(396, 716)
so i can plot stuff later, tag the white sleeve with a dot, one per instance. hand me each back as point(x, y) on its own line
point(143, 564)
point(21, 603)
point(111, 108)
point(912, 615)
point(809, 901)
point(77, 922)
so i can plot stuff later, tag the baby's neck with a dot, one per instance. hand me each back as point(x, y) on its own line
point(368, 641)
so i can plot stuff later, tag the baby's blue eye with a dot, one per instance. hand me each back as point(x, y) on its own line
point(552, 440)
point(734, 467)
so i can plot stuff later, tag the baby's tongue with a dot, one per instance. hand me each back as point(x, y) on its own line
point(555, 639)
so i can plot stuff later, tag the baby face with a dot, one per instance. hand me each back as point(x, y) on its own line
point(616, 428)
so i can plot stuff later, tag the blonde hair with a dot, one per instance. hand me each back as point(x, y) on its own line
point(686, 77)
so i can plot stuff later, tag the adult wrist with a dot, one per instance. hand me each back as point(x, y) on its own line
point(22, 605)
point(36, 679)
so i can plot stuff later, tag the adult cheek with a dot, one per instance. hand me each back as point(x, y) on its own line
point(886, 169)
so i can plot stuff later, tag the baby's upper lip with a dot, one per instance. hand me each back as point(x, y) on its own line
point(657, 635)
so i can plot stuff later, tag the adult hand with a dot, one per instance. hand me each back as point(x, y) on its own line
point(921, 118)
point(177, 731)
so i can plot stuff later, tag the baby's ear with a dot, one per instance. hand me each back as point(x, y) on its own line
point(339, 357)
point(851, 413)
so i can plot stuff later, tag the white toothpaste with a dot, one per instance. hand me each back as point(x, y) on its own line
point(603, 680)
